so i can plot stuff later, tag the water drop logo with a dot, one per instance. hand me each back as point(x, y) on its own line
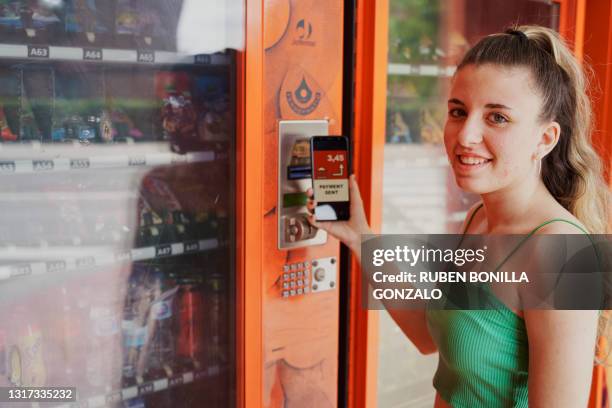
point(301, 100)
point(303, 93)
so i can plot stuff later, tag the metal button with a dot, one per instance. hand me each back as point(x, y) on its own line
point(292, 275)
point(306, 264)
point(285, 268)
point(300, 265)
point(300, 282)
point(300, 291)
point(285, 276)
point(293, 267)
point(285, 293)
point(300, 274)
point(292, 293)
point(319, 274)
point(285, 285)
point(293, 284)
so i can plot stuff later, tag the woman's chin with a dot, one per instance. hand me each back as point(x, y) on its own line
point(471, 185)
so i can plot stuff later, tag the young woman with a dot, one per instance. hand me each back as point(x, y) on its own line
point(518, 134)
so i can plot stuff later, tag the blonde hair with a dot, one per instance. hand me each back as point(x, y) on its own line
point(572, 171)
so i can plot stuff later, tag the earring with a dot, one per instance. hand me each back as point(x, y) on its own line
point(538, 165)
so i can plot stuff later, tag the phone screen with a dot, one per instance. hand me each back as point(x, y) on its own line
point(330, 181)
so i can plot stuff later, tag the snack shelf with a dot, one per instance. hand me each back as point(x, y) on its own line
point(21, 166)
point(145, 388)
point(90, 257)
point(111, 55)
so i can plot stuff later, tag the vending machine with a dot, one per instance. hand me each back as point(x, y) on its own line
point(125, 144)
point(117, 202)
point(154, 161)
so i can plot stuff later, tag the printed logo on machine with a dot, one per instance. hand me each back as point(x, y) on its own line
point(302, 100)
point(303, 32)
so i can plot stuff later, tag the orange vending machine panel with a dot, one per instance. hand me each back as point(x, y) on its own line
point(302, 94)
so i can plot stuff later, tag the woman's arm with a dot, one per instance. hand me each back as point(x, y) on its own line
point(413, 323)
point(561, 347)
point(561, 352)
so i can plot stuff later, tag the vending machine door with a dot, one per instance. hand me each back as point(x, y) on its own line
point(117, 200)
point(301, 288)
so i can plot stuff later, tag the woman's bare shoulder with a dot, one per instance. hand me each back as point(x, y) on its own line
point(561, 221)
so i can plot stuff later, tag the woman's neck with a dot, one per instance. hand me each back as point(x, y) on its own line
point(507, 207)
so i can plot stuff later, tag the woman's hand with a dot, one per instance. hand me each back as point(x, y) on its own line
point(349, 232)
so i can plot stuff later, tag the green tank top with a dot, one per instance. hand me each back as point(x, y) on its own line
point(483, 354)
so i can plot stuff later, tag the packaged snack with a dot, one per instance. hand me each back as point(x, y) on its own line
point(39, 17)
point(10, 17)
point(93, 19)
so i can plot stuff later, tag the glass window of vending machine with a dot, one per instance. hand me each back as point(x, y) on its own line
point(426, 41)
point(118, 124)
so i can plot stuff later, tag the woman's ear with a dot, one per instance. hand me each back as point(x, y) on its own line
point(549, 137)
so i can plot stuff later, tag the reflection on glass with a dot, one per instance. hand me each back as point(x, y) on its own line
point(117, 203)
point(220, 22)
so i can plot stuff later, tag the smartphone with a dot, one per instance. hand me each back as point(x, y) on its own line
point(330, 177)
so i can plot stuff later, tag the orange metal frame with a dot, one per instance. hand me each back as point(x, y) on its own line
point(258, 260)
point(249, 343)
point(597, 46)
point(300, 333)
point(571, 24)
point(370, 110)
point(597, 50)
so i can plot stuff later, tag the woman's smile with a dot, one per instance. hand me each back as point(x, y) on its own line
point(470, 164)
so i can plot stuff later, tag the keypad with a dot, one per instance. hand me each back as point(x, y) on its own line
point(295, 279)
